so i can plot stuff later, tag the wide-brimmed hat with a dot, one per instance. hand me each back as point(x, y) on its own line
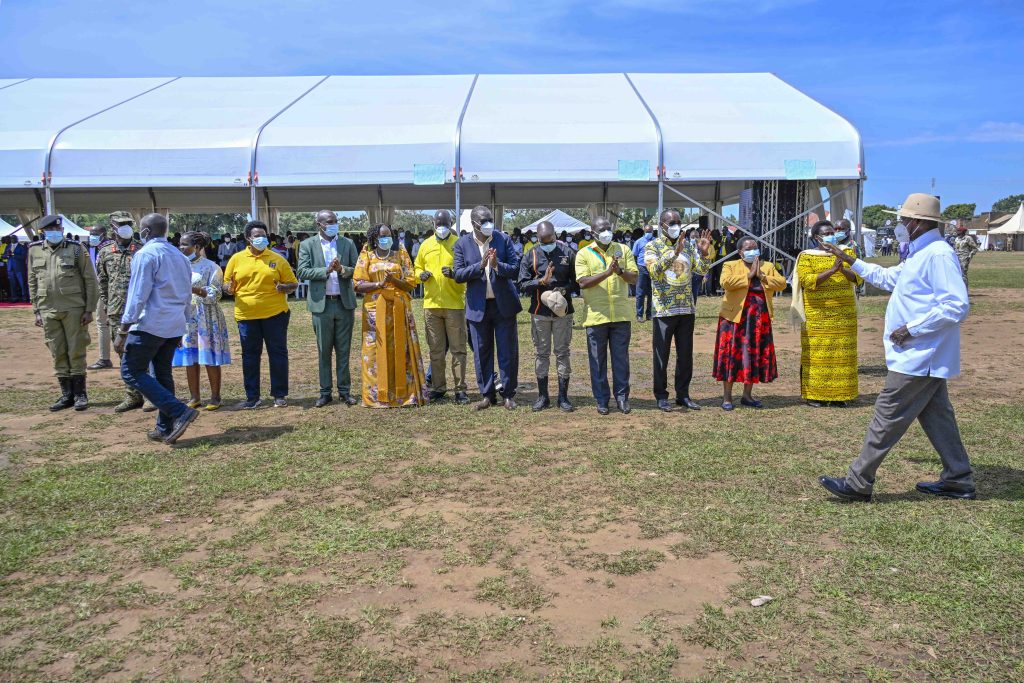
point(556, 302)
point(921, 206)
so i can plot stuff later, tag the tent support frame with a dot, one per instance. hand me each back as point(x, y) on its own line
point(457, 171)
point(661, 144)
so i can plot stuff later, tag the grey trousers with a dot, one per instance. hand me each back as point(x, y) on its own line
point(906, 398)
point(103, 331)
point(548, 331)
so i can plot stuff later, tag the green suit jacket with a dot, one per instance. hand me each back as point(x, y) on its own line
point(312, 268)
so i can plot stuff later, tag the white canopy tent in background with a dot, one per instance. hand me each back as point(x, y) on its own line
point(867, 239)
point(377, 143)
point(8, 229)
point(562, 221)
point(71, 227)
point(1011, 231)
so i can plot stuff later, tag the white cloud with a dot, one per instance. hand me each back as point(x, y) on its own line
point(989, 131)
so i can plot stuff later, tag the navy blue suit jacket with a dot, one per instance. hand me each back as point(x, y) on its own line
point(503, 278)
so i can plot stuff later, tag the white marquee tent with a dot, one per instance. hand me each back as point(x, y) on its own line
point(562, 221)
point(1010, 231)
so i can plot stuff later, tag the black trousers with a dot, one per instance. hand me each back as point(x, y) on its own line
point(667, 329)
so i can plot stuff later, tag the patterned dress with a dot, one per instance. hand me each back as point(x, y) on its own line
point(206, 334)
point(392, 364)
point(828, 338)
point(745, 351)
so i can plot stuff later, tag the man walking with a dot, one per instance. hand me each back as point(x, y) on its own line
point(157, 306)
point(327, 260)
point(98, 239)
point(444, 309)
point(62, 286)
point(548, 276)
point(672, 261)
point(604, 271)
point(114, 270)
point(922, 352)
point(643, 280)
point(487, 263)
point(965, 247)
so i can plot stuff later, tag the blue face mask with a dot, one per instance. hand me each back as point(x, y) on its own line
point(260, 243)
point(385, 243)
point(750, 254)
point(840, 237)
point(828, 239)
point(331, 229)
point(54, 236)
point(548, 248)
point(94, 240)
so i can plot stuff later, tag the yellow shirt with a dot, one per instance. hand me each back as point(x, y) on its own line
point(586, 243)
point(256, 278)
point(607, 301)
point(439, 291)
point(527, 247)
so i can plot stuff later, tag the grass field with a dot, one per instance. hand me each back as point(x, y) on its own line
point(444, 544)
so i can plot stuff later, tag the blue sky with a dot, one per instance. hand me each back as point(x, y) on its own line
point(935, 88)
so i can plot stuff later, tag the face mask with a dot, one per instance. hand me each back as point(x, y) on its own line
point(605, 237)
point(54, 236)
point(534, 239)
point(828, 239)
point(442, 232)
point(548, 248)
point(840, 237)
point(331, 229)
point(193, 257)
point(401, 235)
point(384, 243)
point(751, 254)
point(902, 233)
point(486, 229)
point(94, 240)
point(124, 231)
point(673, 231)
point(260, 243)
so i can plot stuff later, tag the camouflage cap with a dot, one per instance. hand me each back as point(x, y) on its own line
point(122, 217)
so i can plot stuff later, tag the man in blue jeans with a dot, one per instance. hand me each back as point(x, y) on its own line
point(643, 279)
point(159, 297)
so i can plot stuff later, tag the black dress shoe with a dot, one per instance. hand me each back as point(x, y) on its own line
point(322, 401)
point(462, 398)
point(100, 365)
point(941, 488)
point(687, 402)
point(485, 403)
point(623, 404)
point(435, 396)
point(348, 399)
point(602, 409)
point(156, 435)
point(664, 405)
point(180, 425)
point(838, 487)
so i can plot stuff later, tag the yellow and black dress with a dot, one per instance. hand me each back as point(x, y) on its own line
point(828, 337)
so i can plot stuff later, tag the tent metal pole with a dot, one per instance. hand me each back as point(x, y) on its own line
point(254, 148)
point(661, 145)
point(11, 85)
point(860, 214)
point(48, 160)
point(457, 171)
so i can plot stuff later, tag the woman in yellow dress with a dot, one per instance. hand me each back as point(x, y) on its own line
point(392, 365)
point(825, 305)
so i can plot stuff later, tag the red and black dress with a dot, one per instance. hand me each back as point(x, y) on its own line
point(745, 351)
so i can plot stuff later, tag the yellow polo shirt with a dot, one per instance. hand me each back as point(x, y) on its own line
point(256, 278)
point(607, 301)
point(439, 291)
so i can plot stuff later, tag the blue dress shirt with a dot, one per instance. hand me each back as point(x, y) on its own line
point(160, 290)
point(930, 298)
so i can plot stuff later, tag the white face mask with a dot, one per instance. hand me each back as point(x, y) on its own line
point(605, 237)
point(442, 232)
point(486, 229)
point(673, 231)
point(902, 233)
point(124, 231)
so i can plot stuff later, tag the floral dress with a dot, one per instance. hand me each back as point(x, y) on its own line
point(206, 334)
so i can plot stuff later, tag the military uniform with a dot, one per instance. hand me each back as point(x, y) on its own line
point(114, 269)
point(966, 247)
point(63, 288)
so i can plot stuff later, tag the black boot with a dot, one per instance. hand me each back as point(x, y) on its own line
point(78, 388)
point(66, 400)
point(542, 401)
point(563, 395)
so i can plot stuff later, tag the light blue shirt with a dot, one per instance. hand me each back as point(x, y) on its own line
point(930, 298)
point(160, 290)
point(638, 250)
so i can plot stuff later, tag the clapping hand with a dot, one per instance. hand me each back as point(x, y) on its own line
point(448, 272)
point(614, 267)
point(425, 275)
point(229, 286)
point(704, 242)
point(548, 273)
point(755, 268)
point(334, 267)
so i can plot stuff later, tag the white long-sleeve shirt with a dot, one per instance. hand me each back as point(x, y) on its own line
point(930, 298)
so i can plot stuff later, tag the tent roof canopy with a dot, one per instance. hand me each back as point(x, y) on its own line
point(354, 141)
point(1014, 226)
point(562, 221)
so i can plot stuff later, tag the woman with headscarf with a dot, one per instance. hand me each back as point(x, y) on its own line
point(825, 306)
point(744, 347)
point(206, 333)
point(392, 365)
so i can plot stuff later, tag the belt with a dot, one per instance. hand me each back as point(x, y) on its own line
point(333, 297)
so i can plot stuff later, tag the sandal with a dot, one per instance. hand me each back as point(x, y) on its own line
point(212, 406)
point(750, 403)
point(194, 403)
point(727, 406)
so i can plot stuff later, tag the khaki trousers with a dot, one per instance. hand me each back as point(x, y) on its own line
point(67, 338)
point(550, 331)
point(103, 330)
point(446, 331)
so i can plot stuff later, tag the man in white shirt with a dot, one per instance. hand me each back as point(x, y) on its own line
point(922, 352)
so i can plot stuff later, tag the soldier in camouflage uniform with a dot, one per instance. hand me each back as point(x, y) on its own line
point(113, 267)
point(64, 292)
point(966, 247)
